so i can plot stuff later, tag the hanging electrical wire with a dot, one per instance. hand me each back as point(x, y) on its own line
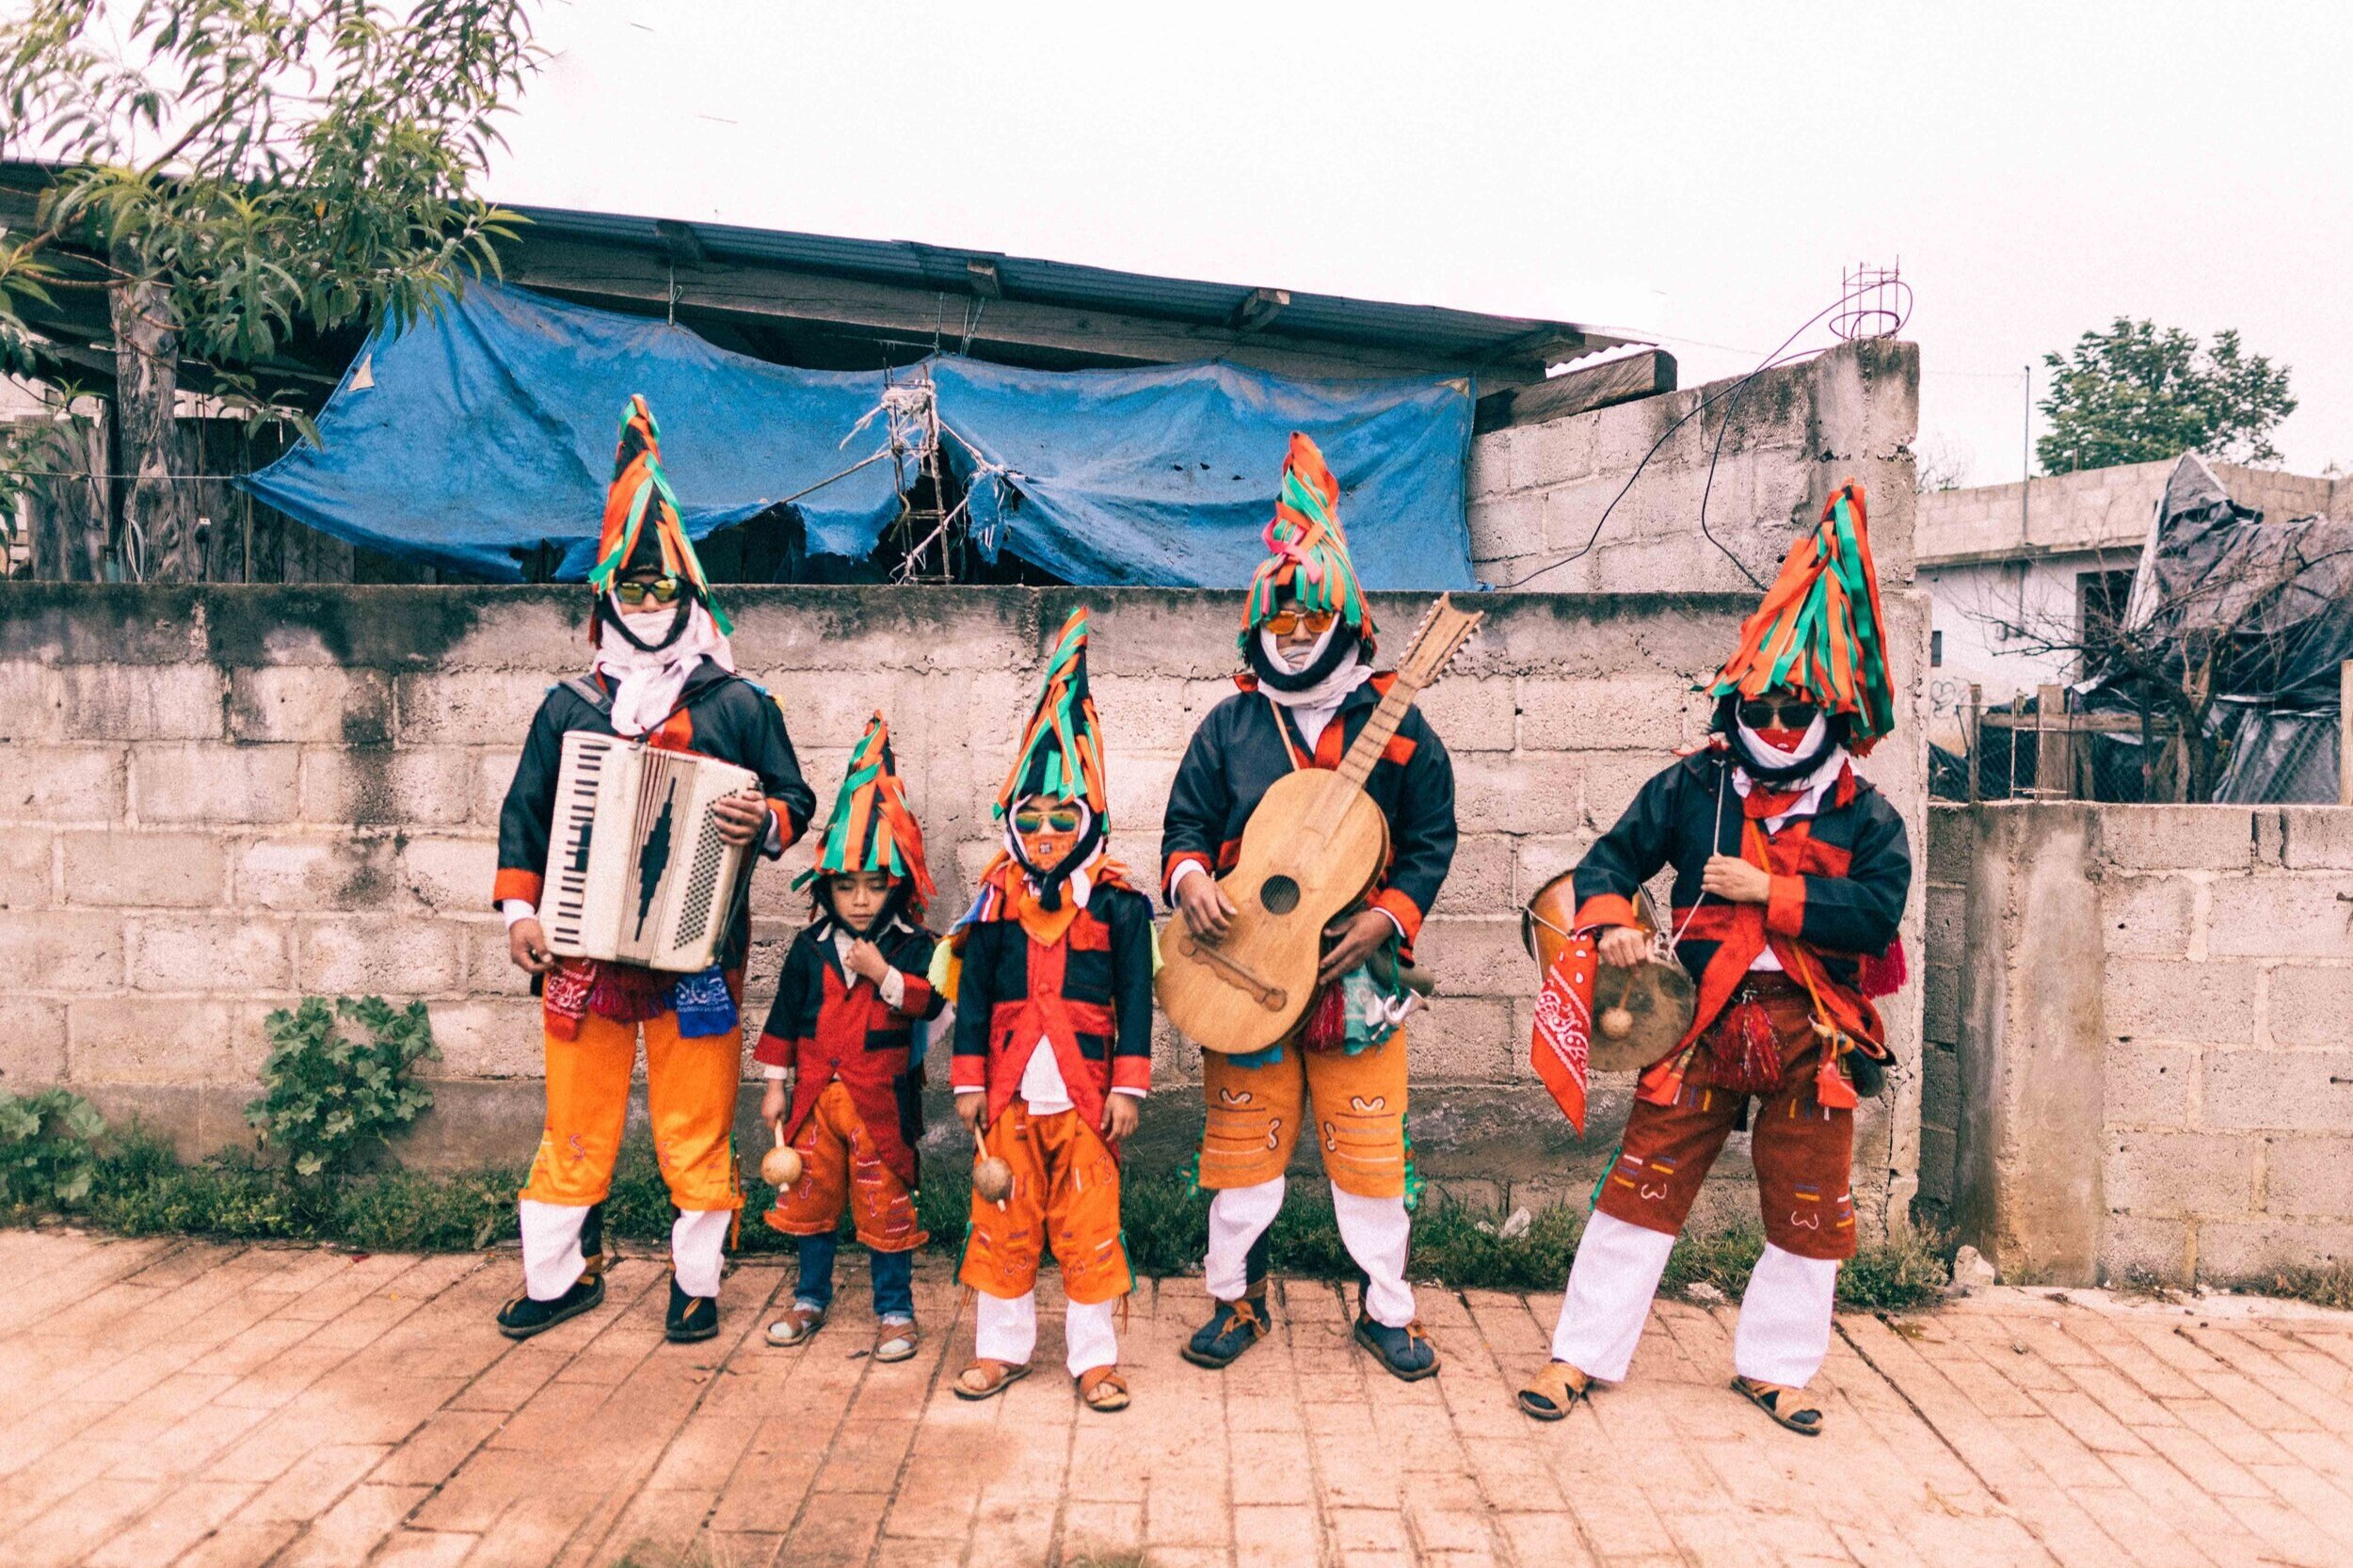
point(1730, 395)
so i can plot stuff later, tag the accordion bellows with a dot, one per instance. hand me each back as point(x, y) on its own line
point(637, 871)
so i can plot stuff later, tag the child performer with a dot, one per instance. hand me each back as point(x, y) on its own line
point(1051, 973)
point(843, 1052)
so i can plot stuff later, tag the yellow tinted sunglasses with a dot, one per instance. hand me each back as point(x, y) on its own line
point(662, 590)
point(1290, 618)
point(1064, 818)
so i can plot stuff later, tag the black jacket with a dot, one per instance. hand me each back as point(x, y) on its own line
point(1841, 893)
point(719, 716)
point(1238, 753)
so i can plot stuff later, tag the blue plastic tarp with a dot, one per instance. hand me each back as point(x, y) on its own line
point(1167, 476)
point(484, 432)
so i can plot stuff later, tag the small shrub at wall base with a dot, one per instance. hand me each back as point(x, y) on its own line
point(327, 1097)
point(48, 1153)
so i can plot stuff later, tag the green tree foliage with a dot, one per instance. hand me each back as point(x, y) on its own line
point(2135, 394)
point(232, 173)
point(327, 1097)
point(274, 163)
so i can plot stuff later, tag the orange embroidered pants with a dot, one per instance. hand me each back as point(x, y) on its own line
point(840, 1168)
point(691, 1088)
point(1357, 1103)
point(1065, 1196)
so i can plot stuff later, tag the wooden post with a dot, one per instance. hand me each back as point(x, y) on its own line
point(2345, 733)
point(2054, 752)
point(1977, 738)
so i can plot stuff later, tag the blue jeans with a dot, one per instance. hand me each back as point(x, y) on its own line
point(894, 1277)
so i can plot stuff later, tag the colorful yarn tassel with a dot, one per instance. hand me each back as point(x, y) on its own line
point(1820, 631)
point(1309, 549)
point(1060, 752)
point(640, 492)
point(873, 828)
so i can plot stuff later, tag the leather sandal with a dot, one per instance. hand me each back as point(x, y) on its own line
point(797, 1327)
point(1769, 1397)
point(1102, 1389)
point(1552, 1393)
point(984, 1379)
point(897, 1341)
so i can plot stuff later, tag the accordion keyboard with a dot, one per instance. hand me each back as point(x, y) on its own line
point(566, 899)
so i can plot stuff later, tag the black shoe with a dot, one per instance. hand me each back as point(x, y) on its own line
point(1406, 1352)
point(1231, 1330)
point(522, 1316)
point(691, 1317)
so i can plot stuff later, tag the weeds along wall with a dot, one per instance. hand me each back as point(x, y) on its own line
point(213, 801)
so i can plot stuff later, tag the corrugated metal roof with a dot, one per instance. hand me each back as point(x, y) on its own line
point(1450, 334)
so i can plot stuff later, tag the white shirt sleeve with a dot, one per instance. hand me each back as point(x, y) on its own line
point(515, 909)
point(894, 989)
point(1184, 869)
point(773, 845)
point(774, 1073)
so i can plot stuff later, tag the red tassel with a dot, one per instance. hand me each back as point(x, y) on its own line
point(1885, 975)
point(1745, 1057)
point(1327, 1021)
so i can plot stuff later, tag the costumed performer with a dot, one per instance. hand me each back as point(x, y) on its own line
point(1791, 872)
point(660, 673)
point(1306, 690)
point(1051, 971)
point(842, 1052)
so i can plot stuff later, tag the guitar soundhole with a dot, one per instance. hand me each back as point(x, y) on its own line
point(1279, 895)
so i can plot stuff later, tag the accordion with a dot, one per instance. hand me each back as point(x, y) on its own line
point(637, 871)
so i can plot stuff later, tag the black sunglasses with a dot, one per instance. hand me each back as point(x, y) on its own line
point(1784, 715)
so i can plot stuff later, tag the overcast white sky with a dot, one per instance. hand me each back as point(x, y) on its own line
point(1700, 172)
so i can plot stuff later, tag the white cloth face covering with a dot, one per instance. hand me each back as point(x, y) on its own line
point(647, 681)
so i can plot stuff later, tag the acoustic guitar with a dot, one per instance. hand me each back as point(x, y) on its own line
point(1315, 846)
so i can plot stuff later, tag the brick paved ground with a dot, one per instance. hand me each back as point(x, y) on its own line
point(167, 1402)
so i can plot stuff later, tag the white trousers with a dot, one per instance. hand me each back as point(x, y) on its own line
point(1783, 1331)
point(553, 1261)
point(1376, 1231)
point(1007, 1331)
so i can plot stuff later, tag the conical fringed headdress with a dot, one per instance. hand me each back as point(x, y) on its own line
point(1820, 630)
point(1309, 550)
point(1061, 753)
point(872, 828)
point(640, 499)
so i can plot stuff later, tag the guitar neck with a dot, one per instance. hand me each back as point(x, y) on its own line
point(1378, 731)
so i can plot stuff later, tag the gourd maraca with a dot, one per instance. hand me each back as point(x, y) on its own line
point(992, 1178)
point(781, 1165)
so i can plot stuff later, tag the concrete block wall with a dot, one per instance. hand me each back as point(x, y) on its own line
point(1764, 459)
point(2098, 509)
point(2154, 1071)
point(213, 801)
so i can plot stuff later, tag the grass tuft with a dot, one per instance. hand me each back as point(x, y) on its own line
point(142, 1188)
point(2323, 1285)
